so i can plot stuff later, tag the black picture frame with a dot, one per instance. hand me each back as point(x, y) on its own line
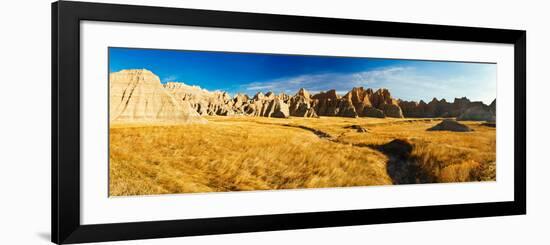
point(66, 18)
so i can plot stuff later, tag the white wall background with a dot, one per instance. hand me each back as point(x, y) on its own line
point(25, 122)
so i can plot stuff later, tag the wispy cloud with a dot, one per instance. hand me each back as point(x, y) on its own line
point(256, 88)
point(407, 83)
point(342, 82)
point(170, 78)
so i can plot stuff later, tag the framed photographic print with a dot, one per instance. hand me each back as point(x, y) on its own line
point(177, 122)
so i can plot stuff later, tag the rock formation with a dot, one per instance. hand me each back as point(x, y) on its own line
point(301, 104)
point(203, 101)
point(460, 108)
point(330, 104)
point(477, 113)
point(382, 100)
point(278, 109)
point(361, 101)
point(358, 102)
point(268, 105)
point(138, 96)
point(413, 108)
point(450, 125)
point(240, 102)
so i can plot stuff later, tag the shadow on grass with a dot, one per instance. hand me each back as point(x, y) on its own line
point(401, 168)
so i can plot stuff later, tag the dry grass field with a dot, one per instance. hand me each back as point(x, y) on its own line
point(256, 153)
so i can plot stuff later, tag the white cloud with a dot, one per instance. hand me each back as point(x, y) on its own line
point(171, 78)
point(258, 87)
point(408, 83)
point(342, 82)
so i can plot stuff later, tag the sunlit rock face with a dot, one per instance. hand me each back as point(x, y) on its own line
point(138, 95)
point(460, 108)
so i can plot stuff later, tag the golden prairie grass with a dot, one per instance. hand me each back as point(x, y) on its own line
point(441, 156)
point(234, 155)
point(252, 153)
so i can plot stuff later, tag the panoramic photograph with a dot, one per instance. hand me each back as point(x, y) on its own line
point(183, 121)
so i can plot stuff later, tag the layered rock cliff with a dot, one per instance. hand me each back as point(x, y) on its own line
point(461, 108)
point(202, 101)
point(358, 102)
point(138, 95)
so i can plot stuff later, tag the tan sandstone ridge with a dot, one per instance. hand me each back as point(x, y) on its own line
point(138, 95)
point(461, 108)
point(202, 101)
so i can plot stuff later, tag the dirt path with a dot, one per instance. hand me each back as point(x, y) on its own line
point(321, 134)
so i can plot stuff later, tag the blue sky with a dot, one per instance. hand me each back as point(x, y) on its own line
point(250, 73)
